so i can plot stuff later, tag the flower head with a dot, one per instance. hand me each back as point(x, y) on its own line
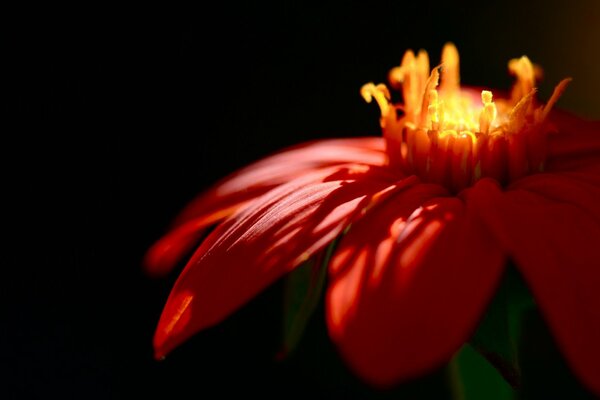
point(461, 181)
point(455, 136)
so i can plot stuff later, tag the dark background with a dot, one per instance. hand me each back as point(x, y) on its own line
point(115, 118)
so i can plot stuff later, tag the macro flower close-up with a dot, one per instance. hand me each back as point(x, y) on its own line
point(348, 200)
point(415, 227)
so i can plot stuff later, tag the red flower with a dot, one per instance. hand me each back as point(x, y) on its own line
point(436, 208)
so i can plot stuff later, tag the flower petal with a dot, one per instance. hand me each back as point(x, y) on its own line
point(409, 283)
point(582, 189)
point(551, 229)
point(257, 245)
point(259, 177)
point(576, 145)
point(168, 250)
point(235, 191)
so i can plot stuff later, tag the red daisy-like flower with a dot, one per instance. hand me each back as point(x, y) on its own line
point(459, 183)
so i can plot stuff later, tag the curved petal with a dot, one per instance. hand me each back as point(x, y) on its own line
point(552, 231)
point(256, 246)
point(169, 250)
point(590, 175)
point(576, 145)
point(259, 177)
point(235, 191)
point(582, 189)
point(409, 283)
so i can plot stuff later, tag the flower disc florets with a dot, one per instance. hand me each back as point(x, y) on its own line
point(454, 136)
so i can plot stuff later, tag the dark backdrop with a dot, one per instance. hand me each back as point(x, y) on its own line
point(115, 118)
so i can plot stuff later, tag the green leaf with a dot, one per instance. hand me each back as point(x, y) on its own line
point(473, 378)
point(303, 290)
point(497, 336)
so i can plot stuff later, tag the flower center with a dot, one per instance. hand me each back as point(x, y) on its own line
point(454, 136)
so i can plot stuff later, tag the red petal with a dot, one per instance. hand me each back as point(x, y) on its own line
point(256, 246)
point(551, 227)
point(582, 189)
point(234, 192)
point(409, 283)
point(257, 178)
point(575, 145)
point(167, 252)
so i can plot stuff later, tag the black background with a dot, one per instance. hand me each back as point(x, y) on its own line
point(115, 118)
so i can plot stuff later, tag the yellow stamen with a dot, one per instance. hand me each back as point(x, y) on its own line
point(422, 71)
point(409, 81)
point(469, 134)
point(430, 96)
point(518, 115)
point(380, 93)
point(432, 109)
point(450, 70)
point(445, 135)
point(489, 112)
point(447, 132)
point(523, 69)
point(411, 76)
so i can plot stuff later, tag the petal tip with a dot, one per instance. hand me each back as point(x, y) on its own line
point(159, 355)
point(156, 263)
